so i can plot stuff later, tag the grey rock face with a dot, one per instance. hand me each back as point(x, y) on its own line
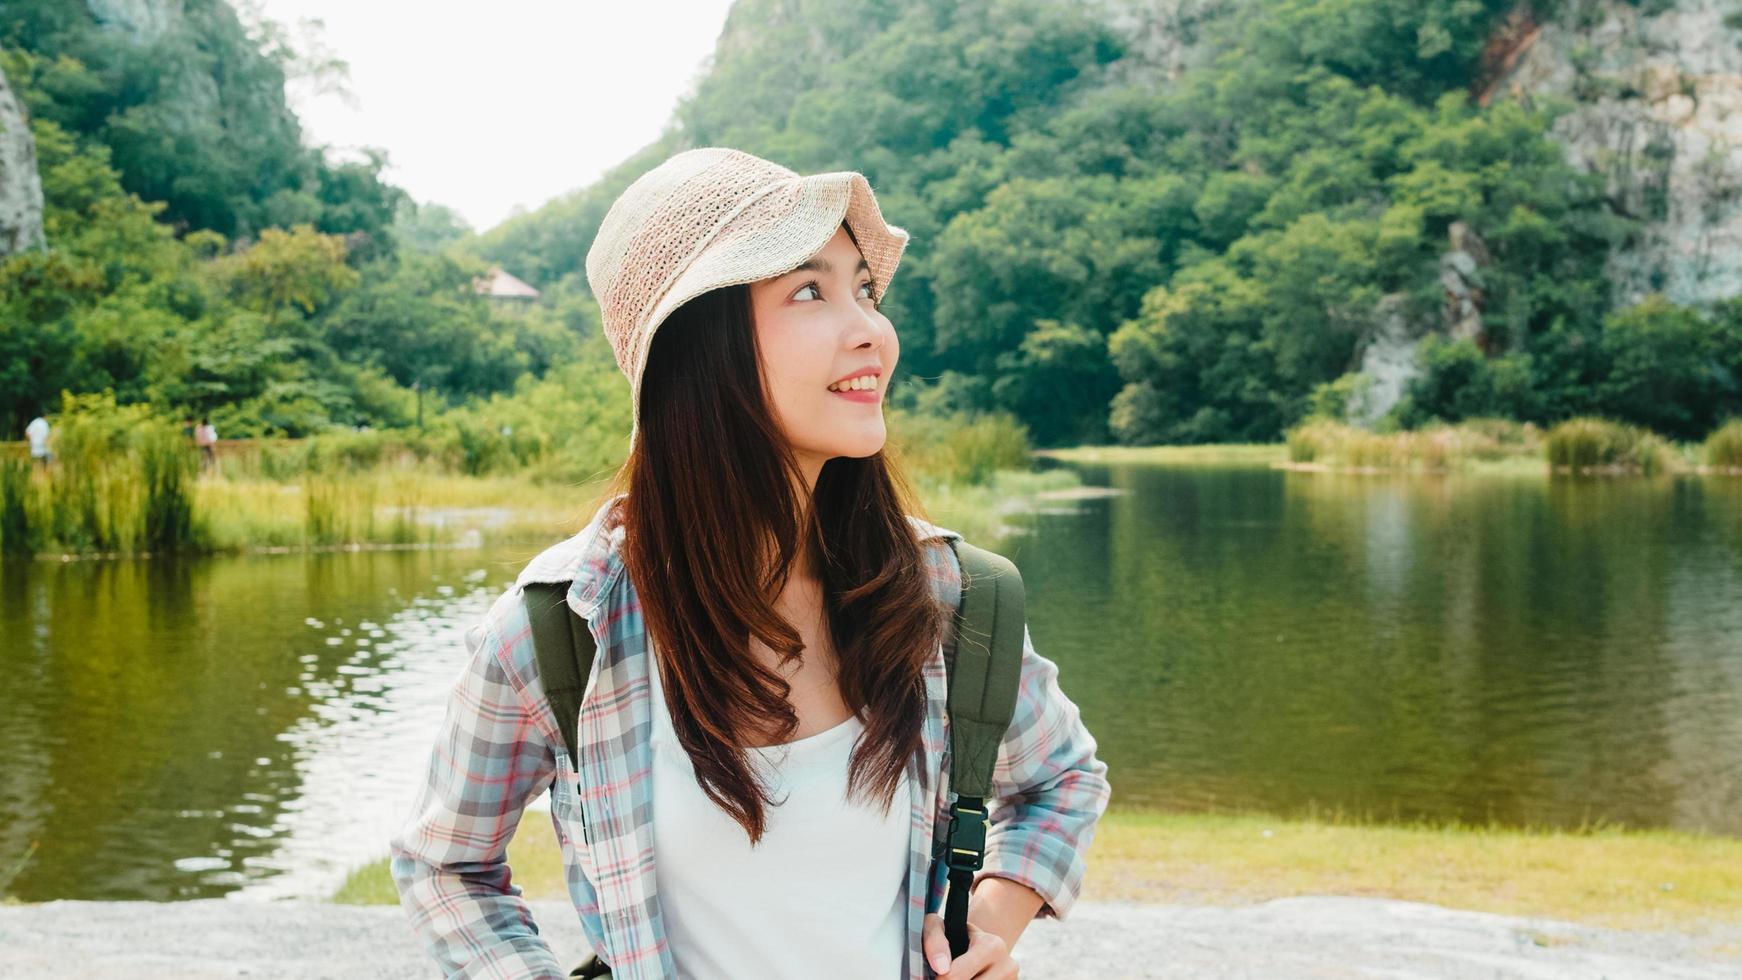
point(20, 184)
point(1659, 115)
point(1657, 112)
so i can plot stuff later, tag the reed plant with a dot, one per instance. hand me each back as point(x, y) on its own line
point(15, 507)
point(1589, 444)
point(1437, 446)
point(1724, 446)
point(122, 480)
point(129, 481)
point(167, 471)
point(959, 448)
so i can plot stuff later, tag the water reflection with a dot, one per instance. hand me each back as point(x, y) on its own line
point(1526, 651)
point(180, 729)
point(1520, 650)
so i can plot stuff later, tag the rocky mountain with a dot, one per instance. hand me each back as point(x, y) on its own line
point(1657, 89)
point(1656, 95)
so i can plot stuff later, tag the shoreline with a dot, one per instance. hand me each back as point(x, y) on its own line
point(478, 512)
point(1602, 877)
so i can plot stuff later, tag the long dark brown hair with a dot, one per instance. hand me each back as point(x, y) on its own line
point(713, 527)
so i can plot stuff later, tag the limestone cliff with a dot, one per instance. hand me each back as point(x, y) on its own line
point(1658, 95)
point(20, 186)
point(1656, 91)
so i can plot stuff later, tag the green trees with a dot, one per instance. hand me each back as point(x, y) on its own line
point(1223, 240)
point(1103, 245)
point(203, 262)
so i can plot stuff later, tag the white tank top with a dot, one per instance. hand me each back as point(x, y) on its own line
point(823, 895)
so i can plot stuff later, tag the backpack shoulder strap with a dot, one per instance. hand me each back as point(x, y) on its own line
point(563, 646)
point(983, 661)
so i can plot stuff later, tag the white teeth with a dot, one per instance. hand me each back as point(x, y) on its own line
point(864, 382)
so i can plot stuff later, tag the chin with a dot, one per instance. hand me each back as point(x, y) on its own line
point(855, 448)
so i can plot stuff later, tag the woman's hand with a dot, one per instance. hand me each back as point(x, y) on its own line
point(986, 958)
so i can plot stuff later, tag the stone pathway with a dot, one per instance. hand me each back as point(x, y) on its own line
point(1286, 938)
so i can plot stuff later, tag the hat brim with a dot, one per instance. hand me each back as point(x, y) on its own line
point(797, 219)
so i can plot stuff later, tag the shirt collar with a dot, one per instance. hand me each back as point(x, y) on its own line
point(591, 560)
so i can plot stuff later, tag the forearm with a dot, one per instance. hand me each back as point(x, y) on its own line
point(1003, 907)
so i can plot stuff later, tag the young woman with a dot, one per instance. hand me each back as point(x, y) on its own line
point(763, 743)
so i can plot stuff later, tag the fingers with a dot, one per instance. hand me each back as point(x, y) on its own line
point(986, 958)
point(935, 943)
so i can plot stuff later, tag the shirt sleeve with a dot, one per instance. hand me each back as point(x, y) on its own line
point(449, 860)
point(1049, 791)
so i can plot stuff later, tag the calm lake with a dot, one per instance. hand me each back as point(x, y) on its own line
point(1522, 650)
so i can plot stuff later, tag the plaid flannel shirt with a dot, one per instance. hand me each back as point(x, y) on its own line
point(499, 747)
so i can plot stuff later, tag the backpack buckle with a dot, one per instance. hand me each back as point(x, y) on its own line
point(965, 850)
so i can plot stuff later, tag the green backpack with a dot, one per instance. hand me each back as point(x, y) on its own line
point(983, 670)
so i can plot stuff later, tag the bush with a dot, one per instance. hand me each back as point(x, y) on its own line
point(1583, 444)
point(1458, 381)
point(14, 506)
point(1137, 415)
point(1724, 446)
point(1334, 399)
point(1433, 446)
point(958, 448)
point(122, 480)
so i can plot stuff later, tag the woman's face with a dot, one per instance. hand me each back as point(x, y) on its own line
point(816, 325)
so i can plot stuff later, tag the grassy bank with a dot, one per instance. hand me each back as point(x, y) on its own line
point(1223, 454)
point(127, 483)
point(1616, 878)
point(1586, 446)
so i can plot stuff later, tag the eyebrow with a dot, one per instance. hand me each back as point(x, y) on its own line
point(817, 263)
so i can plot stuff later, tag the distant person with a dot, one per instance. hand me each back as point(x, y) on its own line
point(187, 428)
point(37, 433)
point(206, 437)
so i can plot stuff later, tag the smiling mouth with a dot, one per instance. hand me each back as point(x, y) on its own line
point(867, 395)
point(864, 382)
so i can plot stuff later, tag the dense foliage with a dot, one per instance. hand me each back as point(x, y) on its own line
point(203, 261)
point(1131, 221)
point(1112, 249)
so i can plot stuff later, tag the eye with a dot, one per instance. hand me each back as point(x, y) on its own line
point(868, 290)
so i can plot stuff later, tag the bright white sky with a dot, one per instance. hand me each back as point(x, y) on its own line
point(485, 106)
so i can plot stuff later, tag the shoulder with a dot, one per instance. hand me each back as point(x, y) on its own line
point(556, 563)
point(504, 661)
point(936, 542)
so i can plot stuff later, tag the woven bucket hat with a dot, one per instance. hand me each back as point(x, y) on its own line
point(713, 217)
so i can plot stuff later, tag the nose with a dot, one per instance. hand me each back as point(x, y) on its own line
point(866, 326)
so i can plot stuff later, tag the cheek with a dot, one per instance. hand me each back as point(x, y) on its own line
point(791, 365)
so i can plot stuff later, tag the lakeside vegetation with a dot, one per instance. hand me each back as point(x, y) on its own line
point(1579, 445)
point(1586, 446)
point(1603, 876)
point(127, 481)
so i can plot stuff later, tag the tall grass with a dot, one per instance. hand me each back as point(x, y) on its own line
point(122, 480)
point(126, 481)
point(167, 470)
point(1320, 440)
point(1584, 445)
point(15, 488)
point(957, 448)
point(1724, 446)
